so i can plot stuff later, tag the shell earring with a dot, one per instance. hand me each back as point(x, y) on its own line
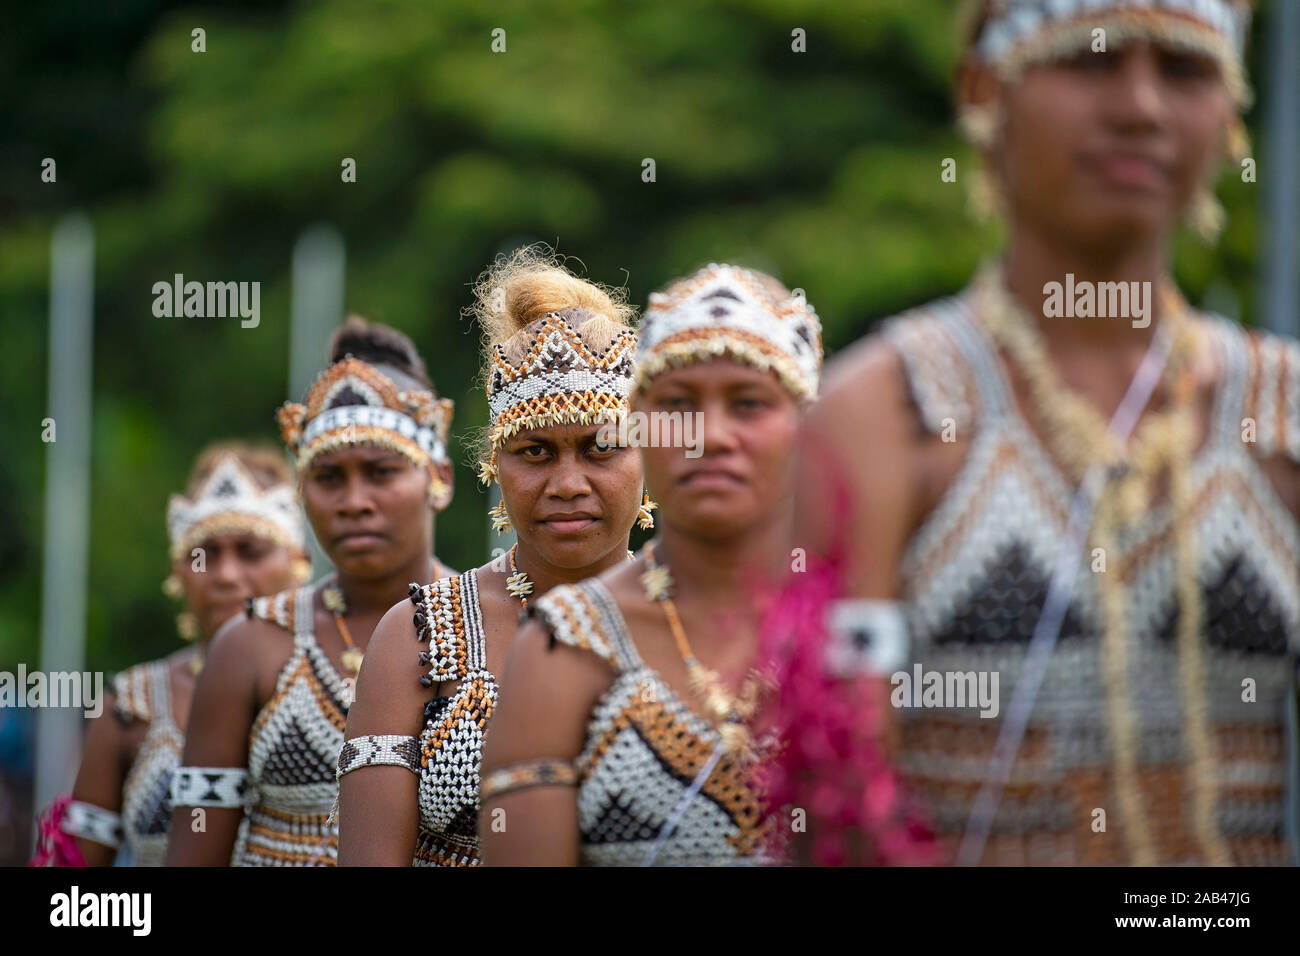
point(301, 570)
point(171, 587)
point(980, 124)
point(983, 197)
point(500, 519)
point(1205, 215)
point(1237, 141)
point(644, 519)
point(187, 626)
point(437, 490)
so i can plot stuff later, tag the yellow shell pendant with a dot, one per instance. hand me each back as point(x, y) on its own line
point(352, 659)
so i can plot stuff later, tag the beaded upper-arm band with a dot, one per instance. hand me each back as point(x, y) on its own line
point(209, 787)
point(377, 750)
point(89, 822)
point(546, 772)
point(866, 637)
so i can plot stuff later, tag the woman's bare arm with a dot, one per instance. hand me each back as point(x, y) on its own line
point(221, 716)
point(862, 436)
point(108, 751)
point(547, 696)
point(378, 806)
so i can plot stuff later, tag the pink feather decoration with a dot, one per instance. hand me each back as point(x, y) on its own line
point(833, 762)
point(54, 847)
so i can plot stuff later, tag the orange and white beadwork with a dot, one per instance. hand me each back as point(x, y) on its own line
point(230, 501)
point(728, 311)
point(353, 403)
point(560, 380)
point(1018, 33)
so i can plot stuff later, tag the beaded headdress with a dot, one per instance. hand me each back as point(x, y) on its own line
point(728, 311)
point(353, 403)
point(1017, 33)
point(230, 501)
point(560, 380)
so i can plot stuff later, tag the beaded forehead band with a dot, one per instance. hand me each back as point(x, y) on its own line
point(231, 502)
point(561, 380)
point(353, 403)
point(728, 311)
point(1018, 33)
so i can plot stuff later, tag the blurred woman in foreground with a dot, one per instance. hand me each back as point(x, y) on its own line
point(1068, 478)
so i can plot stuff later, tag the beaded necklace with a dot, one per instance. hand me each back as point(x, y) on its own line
point(730, 712)
point(1078, 437)
point(332, 598)
point(520, 585)
point(336, 604)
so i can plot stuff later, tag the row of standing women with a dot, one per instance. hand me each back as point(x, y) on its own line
point(295, 752)
point(699, 702)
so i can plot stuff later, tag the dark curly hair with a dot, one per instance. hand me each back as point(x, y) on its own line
point(385, 347)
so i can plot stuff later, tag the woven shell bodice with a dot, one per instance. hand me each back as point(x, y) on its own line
point(449, 622)
point(293, 749)
point(142, 694)
point(975, 576)
point(643, 751)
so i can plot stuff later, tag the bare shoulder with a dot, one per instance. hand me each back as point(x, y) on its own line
point(862, 419)
point(861, 466)
point(548, 692)
point(247, 653)
point(389, 695)
point(244, 639)
point(864, 389)
point(568, 670)
point(394, 638)
point(870, 366)
point(112, 731)
point(560, 658)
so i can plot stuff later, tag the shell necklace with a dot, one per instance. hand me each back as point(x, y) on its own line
point(332, 598)
point(730, 712)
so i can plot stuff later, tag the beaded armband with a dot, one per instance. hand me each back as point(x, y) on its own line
point(547, 772)
point(376, 750)
point(89, 822)
point(209, 787)
point(866, 637)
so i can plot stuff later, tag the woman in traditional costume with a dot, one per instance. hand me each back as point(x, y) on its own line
point(235, 534)
point(1069, 479)
point(631, 723)
point(257, 785)
point(558, 368)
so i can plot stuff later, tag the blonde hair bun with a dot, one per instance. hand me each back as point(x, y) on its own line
point(522, 288)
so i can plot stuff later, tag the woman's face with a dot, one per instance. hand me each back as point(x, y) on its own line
point(234, 568)
point(369, 508)
point(571, 498)
point(1109, 145)
point(745, 437)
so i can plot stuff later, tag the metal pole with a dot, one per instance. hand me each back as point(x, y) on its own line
point(67, 496)
point(1282, 125)
point(316, 308)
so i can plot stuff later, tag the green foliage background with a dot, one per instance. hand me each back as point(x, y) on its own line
point(821, 167)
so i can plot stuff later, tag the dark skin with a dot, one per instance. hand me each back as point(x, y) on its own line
point(572, 501)
point(724, 527)
point(372, 515)
point(237, 567)
point(1097, 158)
